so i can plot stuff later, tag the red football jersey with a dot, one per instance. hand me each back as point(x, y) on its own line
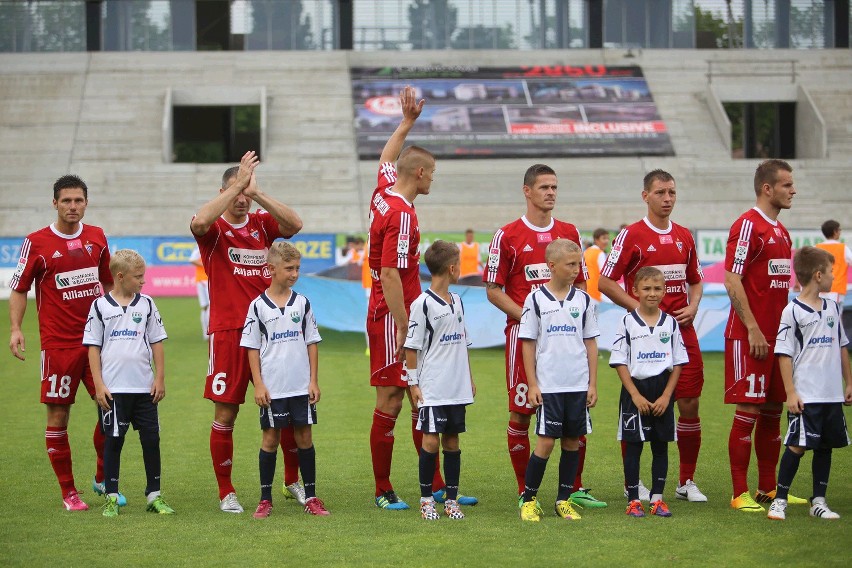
point(516, 257)
point(671, 250)
point(394, 242)
point(68, 271)
point(759, 249)
point(234, 258)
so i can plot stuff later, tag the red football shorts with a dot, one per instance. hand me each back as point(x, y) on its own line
point(748, 380)
point(385, 369)
point(62, 370)
point(228, 372)
point(516, 377)
point(691, 380)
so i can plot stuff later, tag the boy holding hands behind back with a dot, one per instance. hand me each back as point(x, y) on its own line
point(812, 355)
point(439, 377)
point(648, 355)
point(558, 328)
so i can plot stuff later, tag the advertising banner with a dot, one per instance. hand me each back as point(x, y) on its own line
point(486, 112)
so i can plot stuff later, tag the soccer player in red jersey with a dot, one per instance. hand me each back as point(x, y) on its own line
point(656, 241)
point(233, 244)
point(516, 267)
point(69, 264)
point(757, 278)
point(394, 261)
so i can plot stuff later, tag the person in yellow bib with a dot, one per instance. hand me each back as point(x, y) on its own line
point(842, 258)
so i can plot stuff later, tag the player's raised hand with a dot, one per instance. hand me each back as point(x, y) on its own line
point(248, 163)
point(411, 108)
point(102, 395)
point(158, 390)
point(252, 188)
point(261, 395)
point(17, 344)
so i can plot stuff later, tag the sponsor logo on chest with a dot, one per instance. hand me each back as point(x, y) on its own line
point(538, 271)
point(247, 257)
point(75, 278)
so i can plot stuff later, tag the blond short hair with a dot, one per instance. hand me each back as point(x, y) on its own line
point(282, 251)
point(559, 248)
point(124, 260)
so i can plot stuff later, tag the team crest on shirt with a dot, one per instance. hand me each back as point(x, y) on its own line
point(665, 336)
point(296, 317)
point(89, 248)
point(574, 311)
point(136, 316)
point(679, 246)
point(256, 235)
point(830, 321)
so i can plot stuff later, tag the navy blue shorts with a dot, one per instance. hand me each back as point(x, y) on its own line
point(126, 409)
point(290, 411)
point(448, 419)
point(820, 425)
point(635, 427)
point(563, 415)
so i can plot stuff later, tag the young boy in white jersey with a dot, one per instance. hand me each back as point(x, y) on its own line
point(648, 355)
point(124, 333)
point(812, 356)
point(281, 337)
point(439, 378)
point(558, 328)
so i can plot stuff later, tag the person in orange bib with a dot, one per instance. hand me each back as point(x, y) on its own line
point(471, 263)
point(842, 258)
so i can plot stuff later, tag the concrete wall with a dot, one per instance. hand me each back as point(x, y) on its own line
point(101, 115)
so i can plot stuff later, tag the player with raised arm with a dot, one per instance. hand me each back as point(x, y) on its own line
point(757, 278)
point(516, 267)
point(69, 264)
point(657, 241)
point(234, 243)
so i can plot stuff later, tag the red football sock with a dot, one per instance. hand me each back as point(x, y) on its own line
point(767, 447)
point(291, 456)
point(59, 452)
point(518, 439)
point(417, 437)
point(381, 449)
point(98, 439)
point(578, 481)
point(222, 452)
point(688, 445)
point(739, 449)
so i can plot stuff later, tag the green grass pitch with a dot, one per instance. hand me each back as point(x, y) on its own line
point(36, 531)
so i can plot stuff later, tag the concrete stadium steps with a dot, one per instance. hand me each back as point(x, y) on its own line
point(100, 115)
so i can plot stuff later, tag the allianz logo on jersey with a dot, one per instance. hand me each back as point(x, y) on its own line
point(779, 267)
point(76, 278)
point(564, 328)
point(651, 355)
point(247, 257)
point(824, 340)
point(451, 337)
point(124, 333)
point(288, 334)
point(537, 271)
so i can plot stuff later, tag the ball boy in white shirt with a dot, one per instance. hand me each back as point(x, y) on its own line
point(558, 329)
point(124, 333)
point(439, 376)
point(814, 364)
point(648, 355)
